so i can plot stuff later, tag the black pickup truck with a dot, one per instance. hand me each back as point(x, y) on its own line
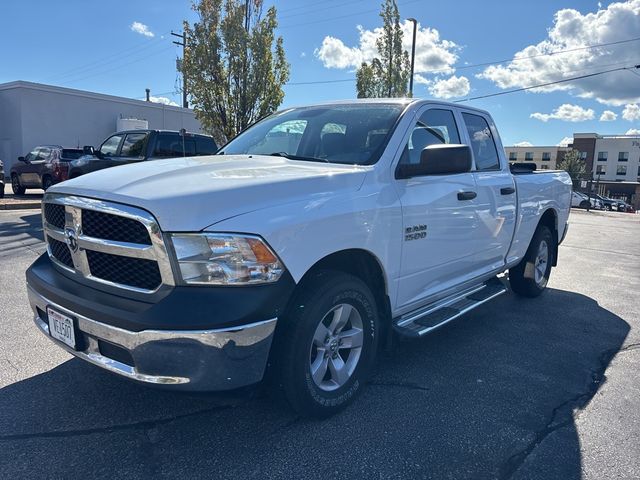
point(133, 146)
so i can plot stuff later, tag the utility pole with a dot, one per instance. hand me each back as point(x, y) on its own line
point(183, 44)
point(413, 54)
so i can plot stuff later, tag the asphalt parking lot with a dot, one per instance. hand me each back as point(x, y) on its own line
point(520, 388)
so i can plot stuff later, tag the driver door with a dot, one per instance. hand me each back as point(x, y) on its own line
point(438, 225)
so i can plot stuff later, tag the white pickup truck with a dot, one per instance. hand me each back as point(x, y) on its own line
point(297, 251)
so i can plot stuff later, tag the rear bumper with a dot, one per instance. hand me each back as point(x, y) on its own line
point(216, 359)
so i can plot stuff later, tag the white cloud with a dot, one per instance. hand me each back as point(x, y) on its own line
point(608, 116)
point(631, 112)
point(303, 54)
point(163, 100)
point(433, 54)
point(565, 142)
point(523, 144)
point(142, 29)
point(574, 30)
point(567, 113)
point(450, 87)
point(633, 131)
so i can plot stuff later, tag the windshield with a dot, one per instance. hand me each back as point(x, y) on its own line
point(352, 133)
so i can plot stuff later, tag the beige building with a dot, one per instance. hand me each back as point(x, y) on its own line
point(545, 158)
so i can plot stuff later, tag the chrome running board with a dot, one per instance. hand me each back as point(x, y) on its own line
point(426, 319)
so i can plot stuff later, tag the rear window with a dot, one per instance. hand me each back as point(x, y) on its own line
point(174, 145)
point(70, 154)
point(482, 143)
point(205, 146)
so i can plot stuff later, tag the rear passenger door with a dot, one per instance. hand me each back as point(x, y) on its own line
point(496, 200)
point(174, 145)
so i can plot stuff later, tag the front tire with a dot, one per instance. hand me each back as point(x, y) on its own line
point(529, 278)
point(15, 185)
point(327, 344)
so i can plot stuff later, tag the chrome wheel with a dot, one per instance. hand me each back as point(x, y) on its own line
point(336, 347)
point(542, 258)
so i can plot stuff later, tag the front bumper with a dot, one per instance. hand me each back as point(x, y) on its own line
point(209, 360)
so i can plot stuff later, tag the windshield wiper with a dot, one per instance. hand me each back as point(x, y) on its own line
point(297, 157)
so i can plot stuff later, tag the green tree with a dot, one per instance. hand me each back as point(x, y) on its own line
point(574, 166)
point(388, 74)
point(234, 66)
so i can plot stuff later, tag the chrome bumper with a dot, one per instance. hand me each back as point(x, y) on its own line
point(207, 360)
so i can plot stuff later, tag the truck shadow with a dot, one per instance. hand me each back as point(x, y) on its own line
point(489, 396)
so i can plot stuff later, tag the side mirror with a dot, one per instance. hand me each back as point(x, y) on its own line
point(88, 150)
point(21, 159)
point(441, 159)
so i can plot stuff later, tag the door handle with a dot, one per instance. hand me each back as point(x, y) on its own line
point(467, 195)
point(507, 191)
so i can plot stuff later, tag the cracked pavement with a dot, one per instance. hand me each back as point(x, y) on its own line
point(520, 388)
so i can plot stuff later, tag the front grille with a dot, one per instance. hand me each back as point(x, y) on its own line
point(54, 214)
point(136, 272)
point(60, 251)
point(112, 243)
point(113, 227)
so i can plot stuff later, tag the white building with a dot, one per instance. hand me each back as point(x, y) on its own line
point(616, 157)
point(34, 114)
point(545, 158)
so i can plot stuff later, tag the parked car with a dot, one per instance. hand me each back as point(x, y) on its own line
point(44, 166)
point(133, 146)
point(625, 207)
point(609, 203)
point(1, 179)
point(579, 200)
point(312, 237)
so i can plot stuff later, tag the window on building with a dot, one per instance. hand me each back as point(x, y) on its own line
point(600, 170)
point(513, 156)
point(528, 156)
point(622, 170)
point(546, 156)
point(602, 156)
point(623, 156)
point(583, 155)
point(638, 170)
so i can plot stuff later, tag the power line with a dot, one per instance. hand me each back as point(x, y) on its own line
point(515, 90)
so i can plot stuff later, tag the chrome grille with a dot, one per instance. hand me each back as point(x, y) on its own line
point(106, 242)
point(136, 272)
point(54, 214)
point(112, 227)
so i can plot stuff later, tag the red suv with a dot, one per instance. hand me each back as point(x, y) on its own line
point(44, 166)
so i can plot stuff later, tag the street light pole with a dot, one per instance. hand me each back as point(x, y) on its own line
point(413, 54)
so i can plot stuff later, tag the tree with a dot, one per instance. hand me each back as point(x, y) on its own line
point(388, 74)
point(233, 65)
point(574, 166)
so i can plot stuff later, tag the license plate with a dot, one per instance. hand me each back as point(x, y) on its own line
point(61, 327)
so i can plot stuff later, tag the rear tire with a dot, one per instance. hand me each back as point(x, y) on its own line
point(326, 344)
point(15, 185)
point(529, 278)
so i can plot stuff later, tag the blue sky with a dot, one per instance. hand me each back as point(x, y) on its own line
point(92, 46)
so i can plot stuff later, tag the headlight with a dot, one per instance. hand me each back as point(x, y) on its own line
point(225, 259)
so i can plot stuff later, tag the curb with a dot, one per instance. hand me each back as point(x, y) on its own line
point(20, 206)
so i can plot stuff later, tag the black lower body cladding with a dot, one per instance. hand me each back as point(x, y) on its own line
point(181, 308)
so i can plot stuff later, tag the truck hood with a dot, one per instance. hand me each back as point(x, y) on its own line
point(189, 194)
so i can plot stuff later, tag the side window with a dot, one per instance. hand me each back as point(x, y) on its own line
point(482, 144)
point(435, 126)
point(42, 155)
point(171, 146)
point(205, 146)
point(133, 145)
point(32, 155)
point(110, 146)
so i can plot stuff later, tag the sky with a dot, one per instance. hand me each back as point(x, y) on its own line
point(122, 47)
